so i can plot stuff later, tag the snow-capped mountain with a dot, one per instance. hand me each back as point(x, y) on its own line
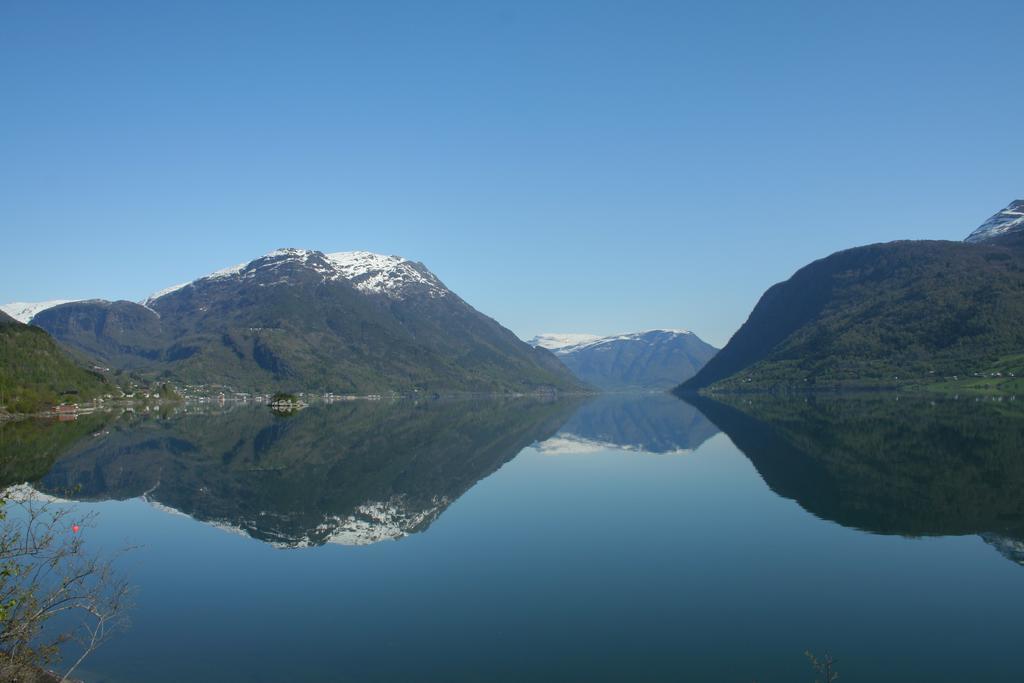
point(654, 359)
point(23, 311)
point(348, 322)
point(562, 344)
point(391, 276)
point(1009, 220)
point(556, 341)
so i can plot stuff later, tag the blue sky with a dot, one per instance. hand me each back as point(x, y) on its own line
point(564, 166)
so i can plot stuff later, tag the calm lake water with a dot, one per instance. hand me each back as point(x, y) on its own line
point(617, 539)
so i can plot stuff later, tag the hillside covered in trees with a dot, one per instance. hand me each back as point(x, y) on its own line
point(36, 373)
point(922, 312)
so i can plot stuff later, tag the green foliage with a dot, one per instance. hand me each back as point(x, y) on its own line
point(886, 463)
point(35, 373)
point(891, 314)
point(28, 448)
point(255, 335)
point(167, 393)
point(55, 597)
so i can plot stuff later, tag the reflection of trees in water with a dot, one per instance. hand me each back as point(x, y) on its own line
point(351, 473)
point(909, 466)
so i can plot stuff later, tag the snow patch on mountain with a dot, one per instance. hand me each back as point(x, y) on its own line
point(560, 340)
point(23, 311)
point(565, 343)
point(156, 295)
point(391, 276)
point(226, 272)
point(1010, 219)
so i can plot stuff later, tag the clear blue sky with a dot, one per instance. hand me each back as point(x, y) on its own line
point(564, 166)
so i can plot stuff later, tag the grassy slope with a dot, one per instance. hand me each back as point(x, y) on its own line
point(35, 372)
point(897, 314)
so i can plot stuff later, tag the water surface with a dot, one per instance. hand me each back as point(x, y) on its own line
point(624, 538)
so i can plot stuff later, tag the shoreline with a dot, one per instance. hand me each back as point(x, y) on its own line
point(307, 399)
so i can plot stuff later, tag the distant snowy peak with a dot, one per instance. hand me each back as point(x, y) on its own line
point(391, 276)
point(24, 311)
point(1010, 219)
point(557, 340)
point(566, 343)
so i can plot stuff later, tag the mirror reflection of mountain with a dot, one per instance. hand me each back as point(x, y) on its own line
point(28, 448)
point(351, 473)
point(648, 423)
point(889, 465)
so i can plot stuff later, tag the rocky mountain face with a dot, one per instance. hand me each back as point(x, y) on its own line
point(884, 315)
point(651, 360)
point(349, 322)
point(118, 334)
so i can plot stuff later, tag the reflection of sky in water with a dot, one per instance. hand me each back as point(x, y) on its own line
point(606, 567)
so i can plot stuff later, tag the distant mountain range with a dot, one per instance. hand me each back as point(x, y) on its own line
point(651, 360)
point(921, 312)
point(348, 322)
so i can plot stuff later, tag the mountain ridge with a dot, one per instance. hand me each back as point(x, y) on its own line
point(655, 359)
point(349, 322)
point(882, 315)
